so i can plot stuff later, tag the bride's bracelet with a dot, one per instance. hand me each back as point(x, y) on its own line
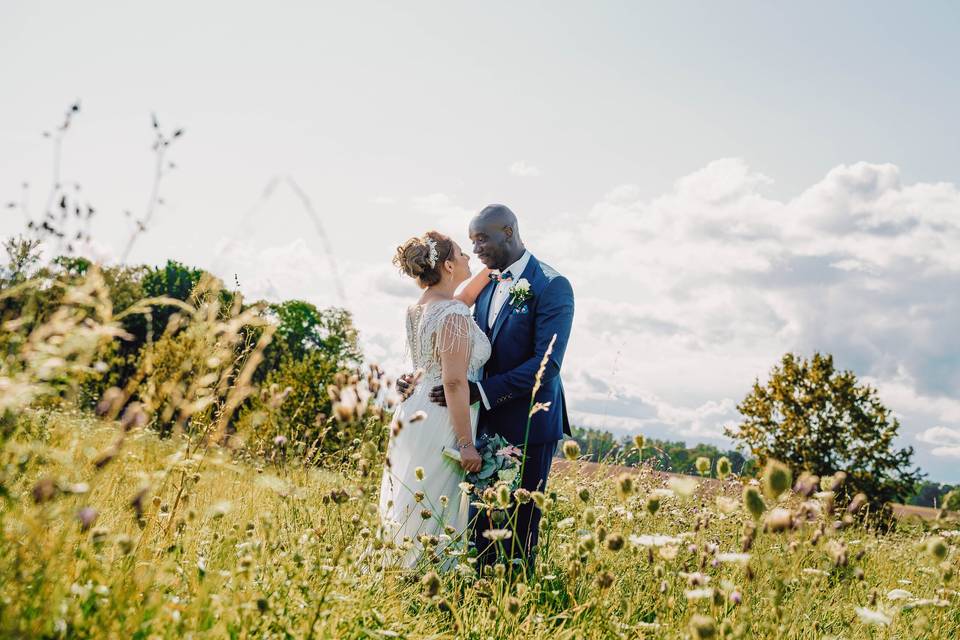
point(463, 445)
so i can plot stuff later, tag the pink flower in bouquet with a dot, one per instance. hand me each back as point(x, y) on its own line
point(509, 451)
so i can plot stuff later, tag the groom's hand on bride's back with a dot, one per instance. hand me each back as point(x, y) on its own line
point(437, 396)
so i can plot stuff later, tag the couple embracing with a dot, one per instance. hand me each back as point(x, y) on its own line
point(476, 371)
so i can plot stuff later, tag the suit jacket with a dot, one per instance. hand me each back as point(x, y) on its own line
point(519, 337)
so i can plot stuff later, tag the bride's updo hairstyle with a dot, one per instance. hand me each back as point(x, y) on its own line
point(413, 258)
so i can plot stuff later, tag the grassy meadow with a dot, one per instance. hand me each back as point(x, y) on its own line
point(181, 491)
point(172, 540)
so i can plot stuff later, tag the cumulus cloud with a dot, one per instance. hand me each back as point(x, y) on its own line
point(522, 169)
point(945, 441)
point(689, 296)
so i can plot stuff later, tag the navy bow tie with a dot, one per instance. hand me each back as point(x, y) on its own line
point(498, 277)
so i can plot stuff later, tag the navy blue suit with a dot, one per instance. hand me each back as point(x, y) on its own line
point(520, 336)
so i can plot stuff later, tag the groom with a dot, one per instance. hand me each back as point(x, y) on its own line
point(523, 307)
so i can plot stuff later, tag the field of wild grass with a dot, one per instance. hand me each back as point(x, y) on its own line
point(172, 540)
point(157, 512)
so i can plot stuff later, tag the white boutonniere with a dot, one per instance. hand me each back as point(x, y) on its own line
point(520, 292)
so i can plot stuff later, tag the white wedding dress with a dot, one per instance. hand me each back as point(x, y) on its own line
point(433, 506)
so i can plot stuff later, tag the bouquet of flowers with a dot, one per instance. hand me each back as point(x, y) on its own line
point(501, 464)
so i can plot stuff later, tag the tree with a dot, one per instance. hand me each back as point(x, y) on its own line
point(818, 419)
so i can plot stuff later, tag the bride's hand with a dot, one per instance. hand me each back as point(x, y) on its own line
point(470, 459)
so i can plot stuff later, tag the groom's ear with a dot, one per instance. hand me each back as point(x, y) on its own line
point(508, 231)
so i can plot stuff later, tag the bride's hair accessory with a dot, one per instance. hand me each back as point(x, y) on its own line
point(432, 244)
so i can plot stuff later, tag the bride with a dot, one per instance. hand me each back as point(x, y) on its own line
point(420, 495)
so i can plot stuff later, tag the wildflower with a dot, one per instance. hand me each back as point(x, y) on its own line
point(466, 487)
point(870, 616)
point(419, 473)
point(777, 478)
point(583, 493)
point(778, 520)
point(46, 489)
point(806, 484)
point(736, 597)
point(522, 496)
point(418, 496)
point(702, 627)
point(726, 505)
point(538, 499)
point(444, 501)
point(426, 514)
point(836, 481)
point(639, 441)
point(702, 465)
point(513, 606)
point(571, 450)
point(723, 467)
point(497, 535)
point(86, 516)
point(753, 502)
point(589, 516)
point(684, 487)
point(431, 584)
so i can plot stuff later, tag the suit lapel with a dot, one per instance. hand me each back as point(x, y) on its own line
point(483, 307)
point(507, 309)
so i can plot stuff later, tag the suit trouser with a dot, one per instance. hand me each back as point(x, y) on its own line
point(525, 525)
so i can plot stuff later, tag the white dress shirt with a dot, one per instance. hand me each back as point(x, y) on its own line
point(500, 296)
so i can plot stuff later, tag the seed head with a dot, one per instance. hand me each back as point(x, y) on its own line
point(723, 467)
point(937, 547)
point(753, 502)
point(605, 580)
point(513, 606)
point(857, 503)
point(431, 584)
point(702, 627)
point(777, 478)
point(583, 493)
point(419, 473)
point(571, 450)
point(653, 505)
point(615, 542)
point(703, 465)
point(624, 485)
point(639, 441)
point(522, 496)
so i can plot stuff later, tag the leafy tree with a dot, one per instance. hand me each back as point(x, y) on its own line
point(951, 501)
point(929, 494)
point(815, 418)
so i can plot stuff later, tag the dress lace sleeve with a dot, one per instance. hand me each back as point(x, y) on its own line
point(452, 332)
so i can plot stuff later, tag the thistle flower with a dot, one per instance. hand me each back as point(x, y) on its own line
point(571, 450)
point(86, 516)
point(753, 502)
point(426, 514)
point(639, 441)
point(522, 496)
point(513, 606)
point(777, 478)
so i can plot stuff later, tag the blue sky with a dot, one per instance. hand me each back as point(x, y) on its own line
point(721, 182)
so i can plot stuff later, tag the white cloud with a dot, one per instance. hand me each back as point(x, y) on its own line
point(522, 169)
point(945, 441)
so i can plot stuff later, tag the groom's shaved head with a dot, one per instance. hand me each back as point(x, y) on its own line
point(496, 236)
